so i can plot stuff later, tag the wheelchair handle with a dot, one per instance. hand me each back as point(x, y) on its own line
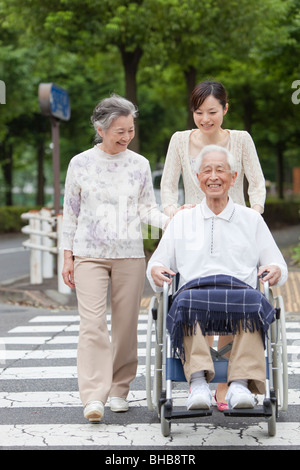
point(264, 274)
point(266, 285)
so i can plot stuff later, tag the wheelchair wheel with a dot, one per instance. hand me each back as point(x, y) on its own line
point(279, 353)
point(154, 364)
point(272, 421)
point(165, 424)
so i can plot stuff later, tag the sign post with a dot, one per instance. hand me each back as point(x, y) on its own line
point(54, 103)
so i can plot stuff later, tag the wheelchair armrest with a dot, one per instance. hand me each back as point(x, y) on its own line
point(166, 285)
point(266, 285)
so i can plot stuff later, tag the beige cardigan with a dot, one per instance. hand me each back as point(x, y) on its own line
point(177, 162)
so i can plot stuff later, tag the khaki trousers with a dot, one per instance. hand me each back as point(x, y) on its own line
point(246, 361)
point(106, 368)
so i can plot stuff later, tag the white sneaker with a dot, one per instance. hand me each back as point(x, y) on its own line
point(118, 404)
point(94, 410)
point(239, 396)
point(199, 398)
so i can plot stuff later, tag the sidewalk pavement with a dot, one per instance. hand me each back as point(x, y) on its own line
point(46, 295)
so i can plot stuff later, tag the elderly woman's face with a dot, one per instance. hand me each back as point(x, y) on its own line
point(118, 136)
point(215, 176)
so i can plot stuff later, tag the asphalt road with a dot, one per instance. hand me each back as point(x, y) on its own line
point(14, 258)
point(40, 406)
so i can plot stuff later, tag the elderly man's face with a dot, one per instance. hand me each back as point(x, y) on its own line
point(215, 176)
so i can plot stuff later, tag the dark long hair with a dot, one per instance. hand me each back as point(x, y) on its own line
point(205, 89)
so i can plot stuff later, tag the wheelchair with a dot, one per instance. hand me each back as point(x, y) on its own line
point(164, 369)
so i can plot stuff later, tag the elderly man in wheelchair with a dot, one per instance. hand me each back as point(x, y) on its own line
point(219, 249)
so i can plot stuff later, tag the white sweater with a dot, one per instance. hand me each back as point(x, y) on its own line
point(199, 243)
point(107, 197)
point(178, 162)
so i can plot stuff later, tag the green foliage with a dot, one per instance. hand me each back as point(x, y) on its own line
point(278, 213)
point(153, 51)
point(296, 254)
point(10, 218)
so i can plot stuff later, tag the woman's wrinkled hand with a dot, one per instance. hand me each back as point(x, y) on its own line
point(68, 270)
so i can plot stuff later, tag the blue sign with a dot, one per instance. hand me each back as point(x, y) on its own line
point(59, 103)
point(54, 101)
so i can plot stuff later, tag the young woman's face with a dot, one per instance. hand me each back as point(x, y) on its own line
point(118, 136)
point(209, 116)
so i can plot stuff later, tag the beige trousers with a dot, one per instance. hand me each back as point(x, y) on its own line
point(106, 368)
point(246, 361)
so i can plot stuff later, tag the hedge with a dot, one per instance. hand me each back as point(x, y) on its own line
point(278, 214)
point(10, 218)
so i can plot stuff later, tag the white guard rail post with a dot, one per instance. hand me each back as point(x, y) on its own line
point(43, 229)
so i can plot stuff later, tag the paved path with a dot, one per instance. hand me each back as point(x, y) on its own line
point(40, 406)
point(39, 402)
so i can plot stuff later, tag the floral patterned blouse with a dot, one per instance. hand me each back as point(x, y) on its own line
point(107, 197)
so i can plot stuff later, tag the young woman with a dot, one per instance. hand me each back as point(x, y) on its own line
point(209, 105)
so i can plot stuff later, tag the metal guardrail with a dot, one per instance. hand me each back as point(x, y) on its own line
point(45, 231)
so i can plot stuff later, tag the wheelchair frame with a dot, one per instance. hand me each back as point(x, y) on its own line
point(165, 369)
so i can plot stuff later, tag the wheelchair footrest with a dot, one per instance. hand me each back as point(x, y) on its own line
point(188, 414)
point(170, 413)
point(260, 411)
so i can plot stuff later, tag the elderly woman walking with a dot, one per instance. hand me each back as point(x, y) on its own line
point(108, 194)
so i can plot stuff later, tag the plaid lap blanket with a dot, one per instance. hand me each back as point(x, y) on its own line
point(221, 305)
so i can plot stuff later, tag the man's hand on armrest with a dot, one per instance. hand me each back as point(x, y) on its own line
point(158, 275)
point(273, 274)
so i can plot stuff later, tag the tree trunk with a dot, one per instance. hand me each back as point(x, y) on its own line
point(6, 156)
point(40, 196)
point(280, 170)
point(247, 118)
point(190, 80)
point(248, 111)
point(130, 62)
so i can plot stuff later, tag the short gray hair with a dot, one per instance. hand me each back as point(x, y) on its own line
point(109, 109)
point(216, 148)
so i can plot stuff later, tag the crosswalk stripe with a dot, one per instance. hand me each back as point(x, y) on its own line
point(68, 372)
point(136, 398)
point(55, 372)
point(55, 328)
point(62, 329)
point(28, 354)
point(48, 339)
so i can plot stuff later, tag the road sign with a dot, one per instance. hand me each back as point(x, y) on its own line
point(54, 101)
